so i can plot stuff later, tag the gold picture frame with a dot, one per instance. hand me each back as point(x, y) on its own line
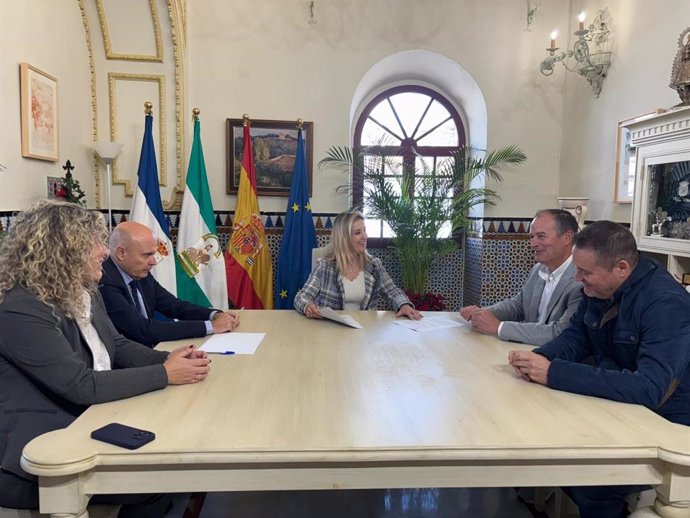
point(39, 113)
point(624, 187)
point(279, 142)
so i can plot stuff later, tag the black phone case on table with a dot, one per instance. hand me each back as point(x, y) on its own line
point(123, 436)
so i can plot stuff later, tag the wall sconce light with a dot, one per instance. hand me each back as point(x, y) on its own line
point(532, 8)
point(108, 151)
point(592, 58)
point(312, 18)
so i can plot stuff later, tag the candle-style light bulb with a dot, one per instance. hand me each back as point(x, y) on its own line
point(581, 19)
point(553, 39)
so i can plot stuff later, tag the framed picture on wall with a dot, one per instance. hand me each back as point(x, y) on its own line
point(274, 144)
point(39, 111)
point(624, 188)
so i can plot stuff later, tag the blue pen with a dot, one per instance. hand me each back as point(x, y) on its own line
point(228, 352)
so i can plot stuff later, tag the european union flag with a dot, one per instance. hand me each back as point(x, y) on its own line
point(299, 237)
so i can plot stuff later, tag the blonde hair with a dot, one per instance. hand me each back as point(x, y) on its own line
point(342, 250)
point(46, 251)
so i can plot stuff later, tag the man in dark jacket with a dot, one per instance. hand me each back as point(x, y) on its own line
point(132, 295)
point(634, 321)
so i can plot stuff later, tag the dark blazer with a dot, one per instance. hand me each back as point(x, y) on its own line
point(128, 321)
point(639, 340)
point(46, 371)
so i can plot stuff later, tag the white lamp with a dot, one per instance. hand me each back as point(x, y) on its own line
point(108, 151)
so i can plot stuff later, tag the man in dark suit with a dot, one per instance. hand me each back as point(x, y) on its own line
point(132, 296)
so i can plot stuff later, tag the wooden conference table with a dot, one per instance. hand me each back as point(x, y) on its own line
point(324, 406)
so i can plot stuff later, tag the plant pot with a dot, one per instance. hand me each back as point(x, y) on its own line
point(576, 206)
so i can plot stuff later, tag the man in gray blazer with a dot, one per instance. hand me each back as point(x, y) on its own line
point(544, 305)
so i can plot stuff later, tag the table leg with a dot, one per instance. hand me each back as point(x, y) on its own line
point(673, 495)
point(63, 497)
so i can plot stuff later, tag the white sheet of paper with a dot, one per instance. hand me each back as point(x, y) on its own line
point(343, 319)
point(463, 321)
point(233, 343)
point(428, 323)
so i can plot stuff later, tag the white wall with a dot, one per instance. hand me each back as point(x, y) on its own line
point(645, 43)
point(263, 58)
point(50, 36)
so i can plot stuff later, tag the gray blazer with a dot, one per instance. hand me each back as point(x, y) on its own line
point(46, 375)
point(521, 313)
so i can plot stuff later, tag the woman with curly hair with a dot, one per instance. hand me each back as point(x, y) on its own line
point(59, 352)
point(348, 277)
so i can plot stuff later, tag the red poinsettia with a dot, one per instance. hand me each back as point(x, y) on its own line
point(69, 188)
point(427, 301)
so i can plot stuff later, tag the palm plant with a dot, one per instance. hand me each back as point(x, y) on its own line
point(422, 206)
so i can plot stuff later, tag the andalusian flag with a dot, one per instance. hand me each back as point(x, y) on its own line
point(248, 261)
point(299, 237)
point(200, 265)
point(147, 208)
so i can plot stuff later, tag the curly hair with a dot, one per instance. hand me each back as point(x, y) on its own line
point(47, 249)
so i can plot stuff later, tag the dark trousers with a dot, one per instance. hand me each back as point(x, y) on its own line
point(602, 501)
point(20, 493)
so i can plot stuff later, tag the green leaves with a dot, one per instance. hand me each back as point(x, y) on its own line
point(420, 203)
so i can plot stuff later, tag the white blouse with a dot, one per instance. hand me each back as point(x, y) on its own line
point(101, 358)
point(353, 292)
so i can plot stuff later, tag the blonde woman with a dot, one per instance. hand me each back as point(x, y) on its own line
point(59, 352)
point(348, 277)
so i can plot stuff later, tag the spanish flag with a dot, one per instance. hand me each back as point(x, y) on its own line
point(248, 261)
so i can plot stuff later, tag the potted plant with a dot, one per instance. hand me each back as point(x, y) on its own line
point(422, 206)
point(69, 188)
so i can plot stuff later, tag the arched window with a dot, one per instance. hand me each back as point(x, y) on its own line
point(417, 126)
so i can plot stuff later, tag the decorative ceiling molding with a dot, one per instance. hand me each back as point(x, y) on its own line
point(109, 54)
point(113, 77)
point(94, 106)
point(104, 74)
point(177, 11)
point(178, 18)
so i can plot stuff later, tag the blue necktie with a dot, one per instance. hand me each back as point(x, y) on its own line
point(135, 295)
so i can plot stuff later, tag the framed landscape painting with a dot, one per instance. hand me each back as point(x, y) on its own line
point(274, 144)
point(39, 107)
